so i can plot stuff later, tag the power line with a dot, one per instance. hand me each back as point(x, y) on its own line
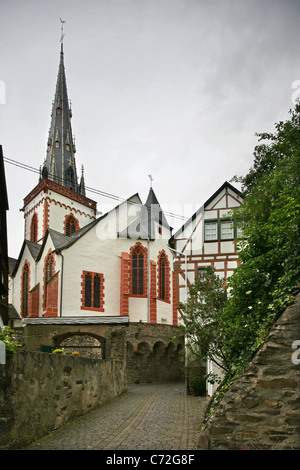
point(92, 190)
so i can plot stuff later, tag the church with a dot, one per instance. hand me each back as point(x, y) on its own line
point(74, 264)
point(81, 276)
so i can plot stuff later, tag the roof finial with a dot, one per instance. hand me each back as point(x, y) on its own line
point(151, 179)
point(62, 32)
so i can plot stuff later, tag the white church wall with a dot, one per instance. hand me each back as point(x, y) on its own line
point(34, 207)
point(16, 284)
point(93, 255)
point(61, 206)
point(99, 251)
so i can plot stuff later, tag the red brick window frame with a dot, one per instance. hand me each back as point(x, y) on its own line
point(138, 270)
point(92, 291)
point(71, 224)
point(34, 228)
point(164, 279)
point(25, 287)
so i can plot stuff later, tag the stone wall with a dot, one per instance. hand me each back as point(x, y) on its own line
point(261, 410)
point(150, 351)
point(153, 355)
point(40, 392)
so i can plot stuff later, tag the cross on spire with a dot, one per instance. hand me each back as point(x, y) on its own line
point(62, 31)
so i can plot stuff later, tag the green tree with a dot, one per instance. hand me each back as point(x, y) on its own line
point(229, 331)
point(202, 320)
point(268, 277)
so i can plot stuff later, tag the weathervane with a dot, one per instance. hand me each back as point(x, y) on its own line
point(62, 30)
point(151, 179)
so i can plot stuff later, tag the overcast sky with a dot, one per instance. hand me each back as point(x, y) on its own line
point(172, 88)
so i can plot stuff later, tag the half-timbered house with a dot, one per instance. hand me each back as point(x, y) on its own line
point(207, 239)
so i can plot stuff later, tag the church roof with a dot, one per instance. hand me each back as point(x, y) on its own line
point(59, 165)
point(143, 227)
point(62, 241)
point(34, 249)
point(154, 209)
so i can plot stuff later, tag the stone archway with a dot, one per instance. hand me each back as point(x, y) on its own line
point(85, 344)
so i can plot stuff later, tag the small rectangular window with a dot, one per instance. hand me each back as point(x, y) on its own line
point(210, 231)
point(200, 273)
point(227, 229)
point(239, 231)
point(92, 291)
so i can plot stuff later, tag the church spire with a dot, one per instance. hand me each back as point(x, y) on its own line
point(60, 165)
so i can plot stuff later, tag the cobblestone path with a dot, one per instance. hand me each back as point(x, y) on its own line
point(146, 417)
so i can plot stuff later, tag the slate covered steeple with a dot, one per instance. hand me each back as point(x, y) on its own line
point(59, 165)
point(151, 217)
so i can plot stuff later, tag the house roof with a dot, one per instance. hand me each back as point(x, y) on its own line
point(202, 208)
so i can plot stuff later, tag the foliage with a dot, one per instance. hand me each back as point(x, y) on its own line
point(268, 277)
point(202, 322)
point(196, 380)
point(7, 335)
point(58, 351)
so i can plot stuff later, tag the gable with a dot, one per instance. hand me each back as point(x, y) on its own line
point(218, 205)
point(226, 197)
point(30, 249)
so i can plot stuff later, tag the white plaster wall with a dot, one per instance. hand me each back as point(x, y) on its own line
point(214, 369)
point(65, 206)
point(210, 214)
point(16, 282)
point(35, 206)
point(103, 255)
point(211, 248)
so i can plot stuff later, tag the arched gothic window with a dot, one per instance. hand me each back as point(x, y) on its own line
point(137, 271)
point(25, 290)
point(49, 272)
point(71, 225)
point(34, 228)
point(163, 277)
